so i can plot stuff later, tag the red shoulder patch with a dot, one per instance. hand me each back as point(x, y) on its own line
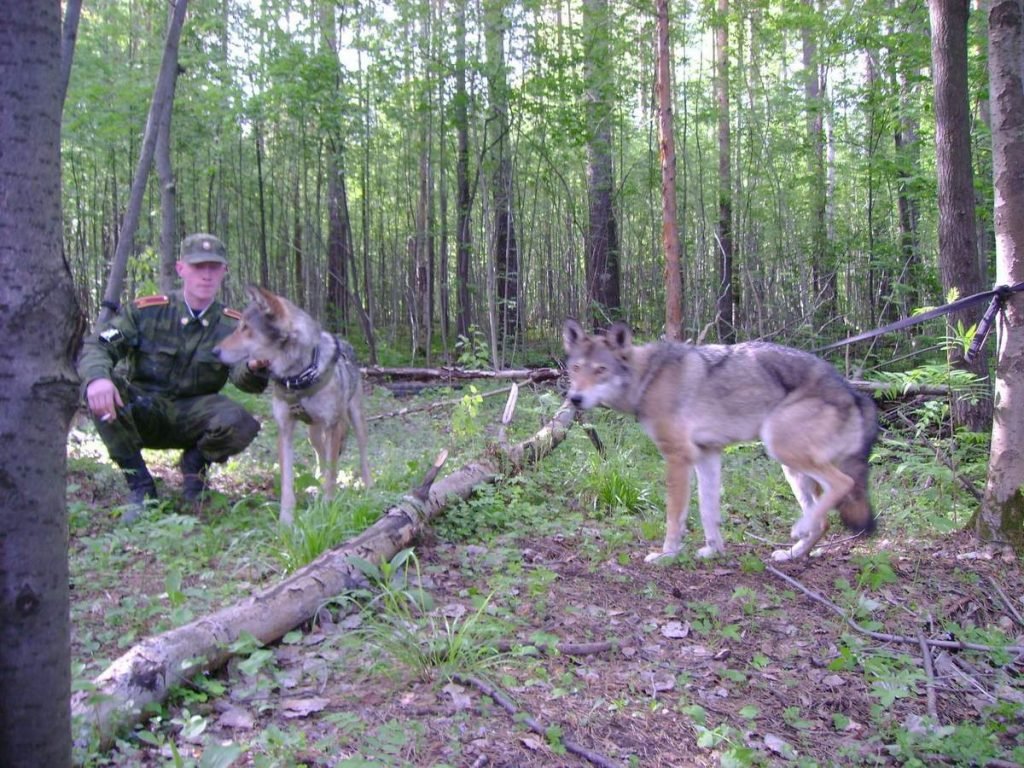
point(151, 301)
point(233, 313)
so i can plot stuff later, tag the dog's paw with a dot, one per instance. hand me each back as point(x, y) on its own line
point(654, 557)
point(782, 555)
point(709, 551)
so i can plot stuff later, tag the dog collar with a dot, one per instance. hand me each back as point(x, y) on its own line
point(312, 374)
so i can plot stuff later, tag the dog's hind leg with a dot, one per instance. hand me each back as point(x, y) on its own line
point(709, 490)
point(813, 523)
point(805, 488)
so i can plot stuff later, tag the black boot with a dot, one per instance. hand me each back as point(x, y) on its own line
point(141, 487)
point(193, 474)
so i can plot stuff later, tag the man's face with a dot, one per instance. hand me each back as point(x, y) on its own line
point(201, 282)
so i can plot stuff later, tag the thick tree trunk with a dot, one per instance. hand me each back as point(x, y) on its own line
point(667, 151)
point(146, 673)
point(1001, 515)
point(958, 246)
point(162, 93)
point(42, 328)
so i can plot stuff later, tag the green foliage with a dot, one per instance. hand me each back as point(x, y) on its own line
point(324, 524)
point(421, 640)
point(465, 417)
point(473, 351)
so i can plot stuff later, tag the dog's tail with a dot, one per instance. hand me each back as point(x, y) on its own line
point(855, 508)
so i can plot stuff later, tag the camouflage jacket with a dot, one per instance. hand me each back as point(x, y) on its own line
point(164, 350)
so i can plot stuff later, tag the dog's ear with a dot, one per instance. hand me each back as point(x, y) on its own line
point(619, 335)
point(267, 302)
point(572, 335)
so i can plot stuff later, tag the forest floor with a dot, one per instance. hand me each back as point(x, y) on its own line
point(534, 597)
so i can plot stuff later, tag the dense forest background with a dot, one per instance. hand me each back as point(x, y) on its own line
point(419, 171)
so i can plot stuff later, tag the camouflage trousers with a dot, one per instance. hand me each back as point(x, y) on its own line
point(215, 424)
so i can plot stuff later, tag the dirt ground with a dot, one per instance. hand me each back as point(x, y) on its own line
point(602, 659)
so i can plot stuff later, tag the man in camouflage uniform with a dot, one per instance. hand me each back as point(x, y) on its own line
point(164, 393)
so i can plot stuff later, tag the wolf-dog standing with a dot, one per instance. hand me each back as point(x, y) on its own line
point(693, 400)
point(315, 380)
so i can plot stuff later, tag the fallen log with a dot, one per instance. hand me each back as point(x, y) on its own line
point(450, 373)
point(149, 670)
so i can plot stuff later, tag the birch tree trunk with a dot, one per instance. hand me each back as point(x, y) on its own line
point(1001, 515)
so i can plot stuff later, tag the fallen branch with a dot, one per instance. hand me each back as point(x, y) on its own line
point(929, 671)
point(509, 706)
point(435, 405)
point(565, 649)
point(1006, 601)
point(952, 644)
point(448, 373)
point(148, 671)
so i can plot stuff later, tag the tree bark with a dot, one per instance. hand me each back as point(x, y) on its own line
point(69, 34)
point(162, 93)
point(504, 244)
point(1001, 515)
point(148, 671)
point(42, 329)
point(958, 246)
point(464, 235)
point(667, 151)
point(602, 236)
point(725, 305)
point(168, 199)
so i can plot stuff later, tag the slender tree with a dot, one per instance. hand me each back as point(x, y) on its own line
point(602, 235)
point(464, 200)
point(42, 327)
point(163, 93)
point(504, 243)
point(725, 306)
point(667, 151)
point(958, 256)
point(1001, 515)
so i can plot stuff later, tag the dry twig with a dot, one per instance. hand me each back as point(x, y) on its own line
point(506, 703)
point(953, 644)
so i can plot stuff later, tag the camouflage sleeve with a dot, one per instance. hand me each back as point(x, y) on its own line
point(109, 344)
point(247, 380)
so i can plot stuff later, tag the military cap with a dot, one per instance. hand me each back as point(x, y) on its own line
point(202, 248)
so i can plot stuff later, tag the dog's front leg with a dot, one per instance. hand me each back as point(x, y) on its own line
point(285, 452)
point(677, 482)
point(709, 489)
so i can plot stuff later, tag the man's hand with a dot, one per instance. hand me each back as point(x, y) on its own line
point(258, 365)
point(104, 399)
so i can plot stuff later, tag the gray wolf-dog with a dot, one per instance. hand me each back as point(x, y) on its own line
point(315, 380)
point(693, 400)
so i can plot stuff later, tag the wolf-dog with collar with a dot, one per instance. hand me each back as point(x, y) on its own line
point(693, 400)
point(315, 380)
